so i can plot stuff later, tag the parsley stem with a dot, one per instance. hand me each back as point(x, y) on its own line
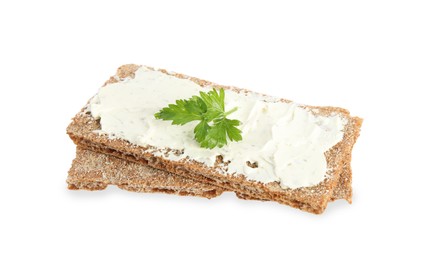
point(230, 111)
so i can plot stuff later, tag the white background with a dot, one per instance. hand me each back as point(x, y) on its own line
point(374, 58)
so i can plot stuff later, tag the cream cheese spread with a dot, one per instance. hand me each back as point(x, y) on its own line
point(285, 142)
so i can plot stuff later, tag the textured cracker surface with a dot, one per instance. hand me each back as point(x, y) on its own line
point(312, 199)
point(94, 171)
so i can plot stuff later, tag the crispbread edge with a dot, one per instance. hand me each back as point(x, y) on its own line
point(95, 171)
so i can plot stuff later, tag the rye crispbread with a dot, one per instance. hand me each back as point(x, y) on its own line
point(312, 199)
point(95, 171)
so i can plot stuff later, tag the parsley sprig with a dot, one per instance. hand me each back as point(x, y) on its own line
point(208, 108)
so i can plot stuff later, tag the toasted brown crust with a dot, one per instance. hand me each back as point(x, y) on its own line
point(312, 199)
point(95, 171)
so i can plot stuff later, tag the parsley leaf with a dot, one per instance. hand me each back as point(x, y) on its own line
point(201, 130)
point(208, 108)
point(217, 135)
point(184, 111)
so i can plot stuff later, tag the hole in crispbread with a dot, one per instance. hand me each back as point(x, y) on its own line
point(219, 159)
point(252, 164)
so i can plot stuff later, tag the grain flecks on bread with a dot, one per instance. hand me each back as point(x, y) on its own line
point(95, 171)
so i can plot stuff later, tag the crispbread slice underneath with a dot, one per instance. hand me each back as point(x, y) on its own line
point(94, 171)
point(312, 199)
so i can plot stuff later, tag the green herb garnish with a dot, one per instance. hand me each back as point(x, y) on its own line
point(208, 108)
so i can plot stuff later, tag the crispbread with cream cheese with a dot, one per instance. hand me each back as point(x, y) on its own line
point(84, 131)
